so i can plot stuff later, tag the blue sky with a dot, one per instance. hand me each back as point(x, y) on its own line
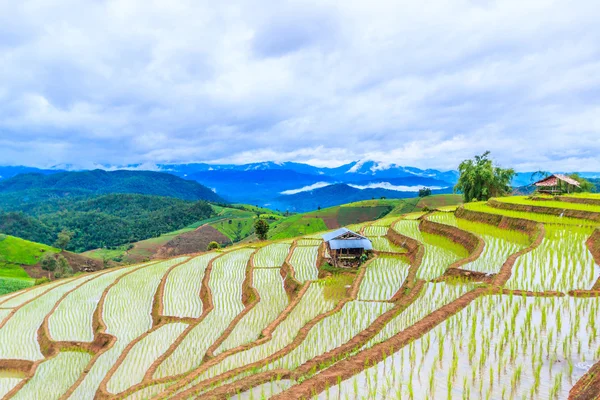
point(415, 83)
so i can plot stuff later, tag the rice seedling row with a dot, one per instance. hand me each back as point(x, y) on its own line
point(181, 296)
point(18, 336)
point(439, 252)
point(226, 279)
point(383, 278)
point(54, 376)
point(304, 262)
point(561, 263)
point(271, 256)
point(498, 347)
point(313, 303)
point(72, 319)
point(273, 300)
point(142, 355)
point(127, 315)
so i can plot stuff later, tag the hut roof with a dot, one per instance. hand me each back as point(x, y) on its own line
point(344, 238)
point(553, 179)
point(341, 232)
point(337, 244)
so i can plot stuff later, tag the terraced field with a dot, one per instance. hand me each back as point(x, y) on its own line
point(495, 300)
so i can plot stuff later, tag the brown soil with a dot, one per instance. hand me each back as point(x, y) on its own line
point(593, 244)
point(78, 262)
point(579, 200)
point(588, 387)
point(590, 215)
point(191, 242)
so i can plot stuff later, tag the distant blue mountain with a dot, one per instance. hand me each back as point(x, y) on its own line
point(281, 185)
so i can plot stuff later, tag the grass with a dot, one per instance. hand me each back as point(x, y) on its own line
point(14, 254)
point(296, 225)
point(524, 200)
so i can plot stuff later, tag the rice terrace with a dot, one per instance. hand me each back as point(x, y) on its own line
point(493, 300)
point(300, 200)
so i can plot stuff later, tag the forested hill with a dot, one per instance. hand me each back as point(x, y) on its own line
point(29, 190)
point(104, 221)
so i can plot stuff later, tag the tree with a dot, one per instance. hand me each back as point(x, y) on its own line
point(479, 179)
point(48, 262)
point(212, 246)
point(63, 239)
point(261, 227)
point(63, 270)
point(584, 184)
point(424, 192)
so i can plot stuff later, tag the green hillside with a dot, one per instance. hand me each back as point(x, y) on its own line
point(27, 191)
point(14, 254)
point(105, 221)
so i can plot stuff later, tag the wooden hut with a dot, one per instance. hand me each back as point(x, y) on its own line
point(343, 243)
point(556, 184)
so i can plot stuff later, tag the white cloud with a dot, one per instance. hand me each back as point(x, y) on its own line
point(389, 186)
point(130, 82)
point(317, 185)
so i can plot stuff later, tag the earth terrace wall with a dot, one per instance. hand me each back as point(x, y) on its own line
point(579, 200)
point(533, 229)
point(566, 212)
point(473, 243)
point(302, 333)
point(291, 285)
point(366, 358)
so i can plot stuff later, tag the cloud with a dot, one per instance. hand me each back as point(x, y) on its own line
point(132, 82)
point(317, 185)
point(389, 186)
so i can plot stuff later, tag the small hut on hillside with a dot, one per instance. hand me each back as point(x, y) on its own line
point(345, 244)
point(556, 184)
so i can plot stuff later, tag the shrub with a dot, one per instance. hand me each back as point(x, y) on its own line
point(48, 262)
point(212, 246)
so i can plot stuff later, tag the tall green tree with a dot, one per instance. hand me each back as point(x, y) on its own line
point(584, 184)
point(261, 227)
point(63, 239)
point(480, 179)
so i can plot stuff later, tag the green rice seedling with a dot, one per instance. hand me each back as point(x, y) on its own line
point(439, 251)
point(383, 278)
point(273, 300)
point(304, 262)
point(54, 377)
point(355, 316)
point(182, 288)
point(72, 319)
point(226, 279)
point(492, 374)
point(543, 218)
point(375, 230)
point(561, 263)
point(134, 291)
point(142, 355)
point(18, 337)
point(312, 304)
point(271, 256)
point(524, 200)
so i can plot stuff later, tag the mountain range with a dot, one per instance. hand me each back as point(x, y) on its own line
point(289, 185)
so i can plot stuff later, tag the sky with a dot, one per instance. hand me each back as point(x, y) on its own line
point(416, 83)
